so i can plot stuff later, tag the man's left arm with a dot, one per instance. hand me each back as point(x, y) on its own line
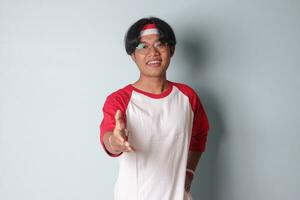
point(193, 159)
point(198, 139)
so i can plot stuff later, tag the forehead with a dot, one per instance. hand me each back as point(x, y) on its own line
point(150, 38)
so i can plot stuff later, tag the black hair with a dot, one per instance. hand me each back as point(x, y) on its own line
point(166, 33)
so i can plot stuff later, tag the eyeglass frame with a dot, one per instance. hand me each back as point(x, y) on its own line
point(154, 45)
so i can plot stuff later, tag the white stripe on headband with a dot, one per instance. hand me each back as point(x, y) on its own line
point(149, 32)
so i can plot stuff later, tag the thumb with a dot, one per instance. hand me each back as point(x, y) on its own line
point(119, 121)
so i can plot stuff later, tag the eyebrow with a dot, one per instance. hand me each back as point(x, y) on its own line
point(143, 41)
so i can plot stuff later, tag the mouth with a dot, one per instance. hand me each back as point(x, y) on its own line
point(154, 63)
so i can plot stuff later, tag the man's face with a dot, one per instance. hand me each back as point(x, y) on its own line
point(152, 57)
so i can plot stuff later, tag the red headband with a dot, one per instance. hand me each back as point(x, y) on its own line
point(149, 29)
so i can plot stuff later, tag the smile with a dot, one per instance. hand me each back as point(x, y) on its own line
point(153, 62)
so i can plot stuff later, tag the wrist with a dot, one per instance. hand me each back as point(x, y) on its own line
point(190, 172)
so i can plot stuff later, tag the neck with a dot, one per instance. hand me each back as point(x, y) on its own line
point(155, 85)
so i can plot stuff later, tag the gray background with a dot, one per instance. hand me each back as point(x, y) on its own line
point(59, 60)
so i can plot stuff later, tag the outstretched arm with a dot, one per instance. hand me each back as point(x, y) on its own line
point(116, 141)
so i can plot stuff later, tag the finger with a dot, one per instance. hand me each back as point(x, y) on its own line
point(128, 146)
point(117, 147)
point(121, 137)
point(120, 146)
point(118, 114)
point(125, 147)
point(128, 149)
point(126, 133)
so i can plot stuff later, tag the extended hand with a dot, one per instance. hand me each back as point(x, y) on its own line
point(119, 139)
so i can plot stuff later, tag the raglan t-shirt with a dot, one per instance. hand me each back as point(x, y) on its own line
point(162, 129)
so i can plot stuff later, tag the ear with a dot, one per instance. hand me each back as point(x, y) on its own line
point(172, 50)
point(133, 57)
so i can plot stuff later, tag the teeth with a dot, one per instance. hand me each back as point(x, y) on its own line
point(153, 62)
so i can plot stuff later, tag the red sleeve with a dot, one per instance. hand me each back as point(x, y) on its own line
point(200, 121)
point(116, 101)
point(200, 126)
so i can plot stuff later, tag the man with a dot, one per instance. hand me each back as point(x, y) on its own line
point(158, 128)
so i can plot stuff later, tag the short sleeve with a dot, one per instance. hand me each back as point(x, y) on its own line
point(110, 107)
point(200, 126)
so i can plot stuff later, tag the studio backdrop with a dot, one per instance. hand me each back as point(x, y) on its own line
point(60, 59)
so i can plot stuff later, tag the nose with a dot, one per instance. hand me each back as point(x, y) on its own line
point(153, 50)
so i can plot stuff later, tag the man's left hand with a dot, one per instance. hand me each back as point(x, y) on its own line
point(188, 181)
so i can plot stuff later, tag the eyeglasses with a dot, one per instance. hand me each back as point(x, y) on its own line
point(144, 48)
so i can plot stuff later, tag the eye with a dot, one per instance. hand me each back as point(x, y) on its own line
point(160, 44)
point(141, 46)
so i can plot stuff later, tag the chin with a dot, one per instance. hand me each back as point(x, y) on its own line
point(154, 75)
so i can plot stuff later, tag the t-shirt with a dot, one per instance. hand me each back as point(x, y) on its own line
point(162, 129)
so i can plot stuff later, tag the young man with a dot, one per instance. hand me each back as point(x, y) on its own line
point(158, 128)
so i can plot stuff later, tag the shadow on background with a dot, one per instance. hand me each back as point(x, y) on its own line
point(198, 53)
